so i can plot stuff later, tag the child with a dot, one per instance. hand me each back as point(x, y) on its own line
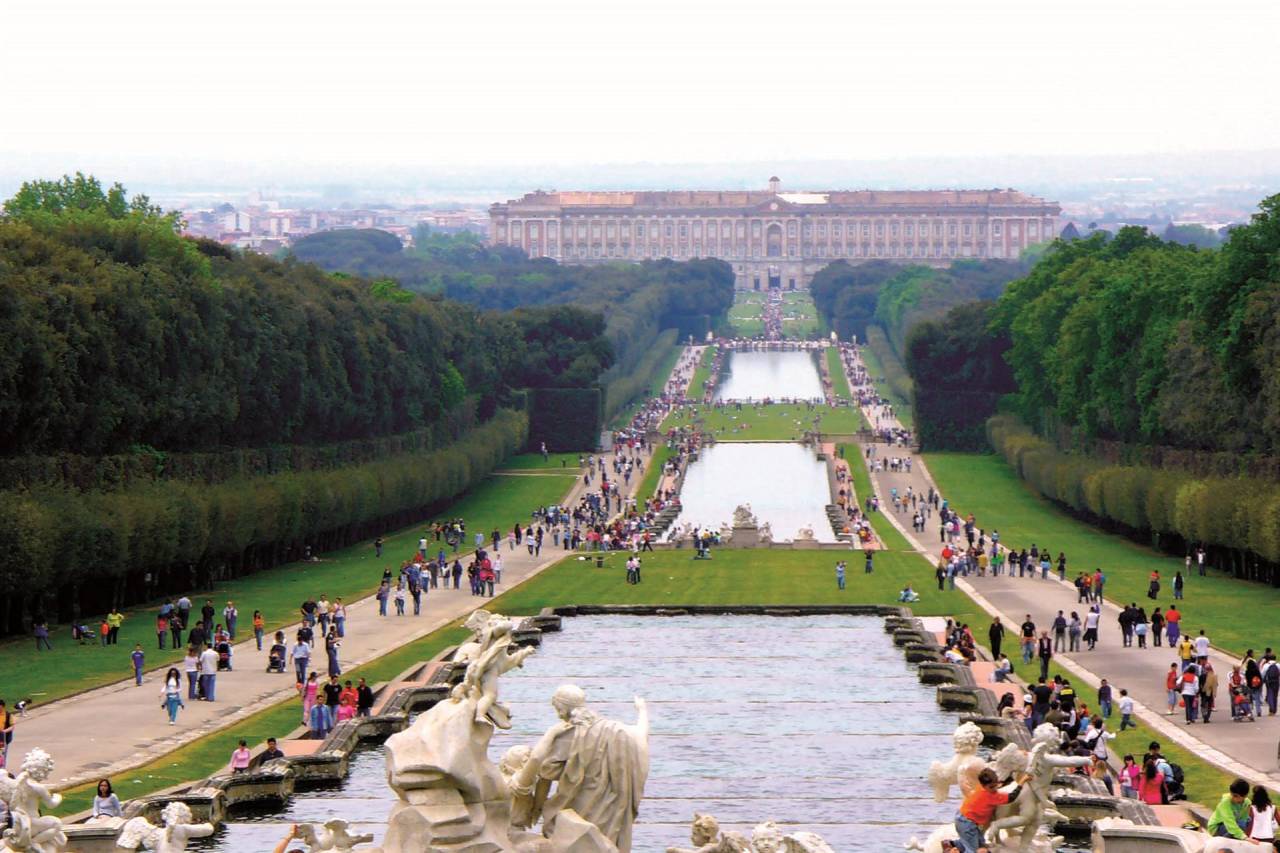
point(1129, 777)
point(1126, 711)
point(978, 809)
point(1231, 817)
point(138, 659)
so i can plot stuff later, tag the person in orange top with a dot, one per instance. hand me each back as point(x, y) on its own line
point(978, 809)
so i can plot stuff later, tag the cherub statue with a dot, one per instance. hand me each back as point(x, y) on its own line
point(492, 661)
point(1033, 808)
point(962, 768)
point(172, 837)
point(764, 533)
point(805, 534)
point(332, 835)
point(477, 623)
point(767, 837)
point(24, 794)
point(706, 838)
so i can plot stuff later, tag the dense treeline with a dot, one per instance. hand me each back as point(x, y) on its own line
point(1236, 518)
point(172, 411)
point(64, 551)
point(637, 300)
point(1141, 341)
point(959, 376)
point(119, 332)
point(895, 297)
point(895, 372)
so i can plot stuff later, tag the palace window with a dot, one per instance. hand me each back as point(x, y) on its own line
point(726, 230)
point(835, 229)
point(879, 229)
point(684, 229)
point(667, 229)
point(791, 229)
point(951, 229)
point(639, 229)
point(1033, 229)
point(755, 228)
point(866, 229)
point(937, 229)
point(609, 229)
point(808, 229)
point(968, 230)
point(595, 230)
point(995, 229)
point(909, 229)
point(893, 229)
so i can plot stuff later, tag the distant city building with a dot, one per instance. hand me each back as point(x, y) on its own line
point(771, 237)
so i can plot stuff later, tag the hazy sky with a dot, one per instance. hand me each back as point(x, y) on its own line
point(384, 83)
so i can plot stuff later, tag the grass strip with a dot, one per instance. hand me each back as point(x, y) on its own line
point(839, 382)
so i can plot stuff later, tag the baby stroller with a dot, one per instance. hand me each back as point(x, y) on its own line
point(275, 658)
point(1241, 705)
point(224, 655)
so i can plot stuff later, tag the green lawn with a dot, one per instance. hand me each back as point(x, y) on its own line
point(889, 535)
point(652, 472)
point(697, 385)
point(1236, 614)
point(800, 320)
point(901, 405)
point(839, 382)
point(775, 422)
point(350, 574)
point(744, 315)
point(535, 462)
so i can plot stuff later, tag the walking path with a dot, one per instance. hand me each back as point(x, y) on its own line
point(1248, 750)
point(116, 728)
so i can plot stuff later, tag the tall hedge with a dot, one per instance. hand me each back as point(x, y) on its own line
point(565, 418)
point(1236, 518)
point(62, 550)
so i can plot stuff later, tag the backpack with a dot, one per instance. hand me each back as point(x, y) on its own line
point(1273, 675)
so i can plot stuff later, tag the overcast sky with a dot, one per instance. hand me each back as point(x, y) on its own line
point(382, 83)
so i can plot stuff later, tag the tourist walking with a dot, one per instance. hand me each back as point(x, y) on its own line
point(41, 631)
point(138, 659)
point(995, 635)
point(191, 666)
point(331, 646)
point(301, 657)
point(171, 694)
point(208, 674)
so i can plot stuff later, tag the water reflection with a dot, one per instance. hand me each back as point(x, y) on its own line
point(757, 375)
point(785, 484)
point(815, 722)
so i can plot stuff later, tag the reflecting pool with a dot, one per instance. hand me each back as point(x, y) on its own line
point(815, 722)
point(756, 375)
point(785, 484)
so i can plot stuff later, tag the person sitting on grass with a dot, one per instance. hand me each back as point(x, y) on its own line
point(908, 594)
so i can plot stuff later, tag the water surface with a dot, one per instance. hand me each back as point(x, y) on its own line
point(815, 722)
point(770, 374)
point(785, 484)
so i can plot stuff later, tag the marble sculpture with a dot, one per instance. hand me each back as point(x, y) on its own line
point(24, 794)
point(171, 837)
point(743, 516)
point(582, 781)
point(767, 837)
point(332, 835)
point(1021, 826)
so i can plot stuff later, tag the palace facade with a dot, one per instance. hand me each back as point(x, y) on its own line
point(774, 238)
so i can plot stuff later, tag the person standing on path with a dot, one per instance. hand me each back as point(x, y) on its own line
point(259, 625)
point(1045, 653)
point(1190, 690)
point(1059, 631)
point(331, 646)
point(171, 694)
point(995, 635)
point(191, 666)
point(208, 674)
point(364, 699)
point(1028, 639)
point(138, 658)
point(1171, 679)
point(1208, 691)
point(301, 657)
point(229, 617)
point(1104, 699)
point(206, 614)
point(1172, 625)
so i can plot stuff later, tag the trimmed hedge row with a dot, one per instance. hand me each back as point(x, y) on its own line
point(895, 373)
point(623, 390)
point(1236, 518)
point(62, 550)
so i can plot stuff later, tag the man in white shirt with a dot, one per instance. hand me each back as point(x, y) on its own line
point(208, 673)
point(1202, 645)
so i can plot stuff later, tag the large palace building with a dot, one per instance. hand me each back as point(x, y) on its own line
point(774, 238)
